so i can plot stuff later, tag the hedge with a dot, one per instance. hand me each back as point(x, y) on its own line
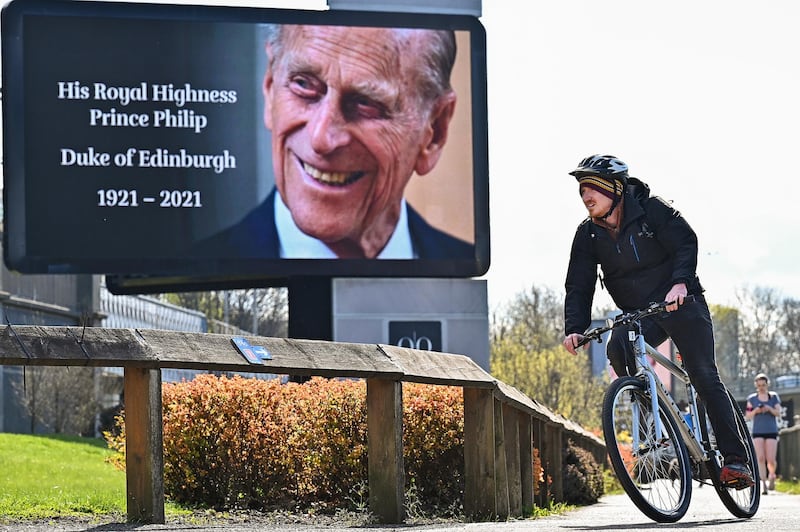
point(245, 443)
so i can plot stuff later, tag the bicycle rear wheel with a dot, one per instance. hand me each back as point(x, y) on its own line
point(742, 502)
point(655, 473)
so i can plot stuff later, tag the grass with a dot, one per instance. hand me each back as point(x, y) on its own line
point(49, 476)
point(611, 485)
point(554, 508)
point(792, 486)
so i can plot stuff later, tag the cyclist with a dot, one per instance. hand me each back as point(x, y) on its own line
point(647, 252)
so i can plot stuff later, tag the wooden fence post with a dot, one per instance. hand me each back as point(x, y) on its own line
point(501, 473)
point(144, 451)
point(526, 461)
point(553, 451)
point(514, 475)
point(385, 449)
point(479, 454)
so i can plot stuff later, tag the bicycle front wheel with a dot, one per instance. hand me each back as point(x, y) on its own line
point(654, 471)
point(740, 502)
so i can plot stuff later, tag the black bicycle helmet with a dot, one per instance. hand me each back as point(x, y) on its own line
point(606, 166)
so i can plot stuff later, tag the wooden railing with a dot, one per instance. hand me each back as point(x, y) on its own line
point(789, 452)
point(501, 424)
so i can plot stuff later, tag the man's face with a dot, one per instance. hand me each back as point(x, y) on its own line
point(348, 131)
point(596, 203)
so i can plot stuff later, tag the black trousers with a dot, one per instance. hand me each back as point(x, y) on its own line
point(691, 330)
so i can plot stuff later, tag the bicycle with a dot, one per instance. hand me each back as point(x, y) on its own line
point(655, 451)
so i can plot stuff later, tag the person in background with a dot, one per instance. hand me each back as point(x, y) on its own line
point(764, 409)
point(647, 252)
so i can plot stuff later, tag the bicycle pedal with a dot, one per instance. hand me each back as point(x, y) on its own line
point(738, 484)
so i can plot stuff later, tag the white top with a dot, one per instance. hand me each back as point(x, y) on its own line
point(295, 244)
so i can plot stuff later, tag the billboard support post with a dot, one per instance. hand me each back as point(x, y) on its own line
point(310, 308)
point(310, 311)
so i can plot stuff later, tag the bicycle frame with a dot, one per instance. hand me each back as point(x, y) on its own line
point(691, 435)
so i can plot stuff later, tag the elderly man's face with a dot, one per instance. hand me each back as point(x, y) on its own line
point(348, 130)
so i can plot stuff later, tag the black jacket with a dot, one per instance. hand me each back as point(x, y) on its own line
point(656, 248)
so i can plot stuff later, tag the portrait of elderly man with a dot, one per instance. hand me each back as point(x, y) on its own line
point(354, 113)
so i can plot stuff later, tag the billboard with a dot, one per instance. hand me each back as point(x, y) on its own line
point(187, 144)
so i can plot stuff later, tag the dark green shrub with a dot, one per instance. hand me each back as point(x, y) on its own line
point(583, 477)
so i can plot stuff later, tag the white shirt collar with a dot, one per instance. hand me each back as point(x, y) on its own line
point(295, 244)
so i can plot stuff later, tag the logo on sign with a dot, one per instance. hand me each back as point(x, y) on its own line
point(425, 335)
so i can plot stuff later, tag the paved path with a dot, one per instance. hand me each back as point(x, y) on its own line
point(777, 513)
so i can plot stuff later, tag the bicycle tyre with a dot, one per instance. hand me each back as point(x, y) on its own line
point(657, 480)
point(741, 503)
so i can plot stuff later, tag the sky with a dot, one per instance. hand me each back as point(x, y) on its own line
point(701, 99)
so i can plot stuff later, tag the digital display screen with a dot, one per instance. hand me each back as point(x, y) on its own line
point(151, 141)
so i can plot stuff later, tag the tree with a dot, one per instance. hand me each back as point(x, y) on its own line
point(61, 399)
point(761, 335)
point(790, 325)
point(769, 333)
point(261, 311)
point(554, 378)
point(526, 353)
point(726, 342)
point(535, 318)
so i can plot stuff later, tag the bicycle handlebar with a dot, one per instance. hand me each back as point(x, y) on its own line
point(627, 319)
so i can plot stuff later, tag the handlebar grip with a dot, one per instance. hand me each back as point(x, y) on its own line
point(588, 337)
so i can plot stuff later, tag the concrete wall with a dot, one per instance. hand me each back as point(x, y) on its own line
point(364, 310)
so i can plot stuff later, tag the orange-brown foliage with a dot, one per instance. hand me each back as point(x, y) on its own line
point(245, 443)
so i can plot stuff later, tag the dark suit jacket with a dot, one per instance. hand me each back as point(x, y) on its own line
point(256, 236)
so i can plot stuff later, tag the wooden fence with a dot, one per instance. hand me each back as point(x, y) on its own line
point(501, 424)
point(789, 453)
